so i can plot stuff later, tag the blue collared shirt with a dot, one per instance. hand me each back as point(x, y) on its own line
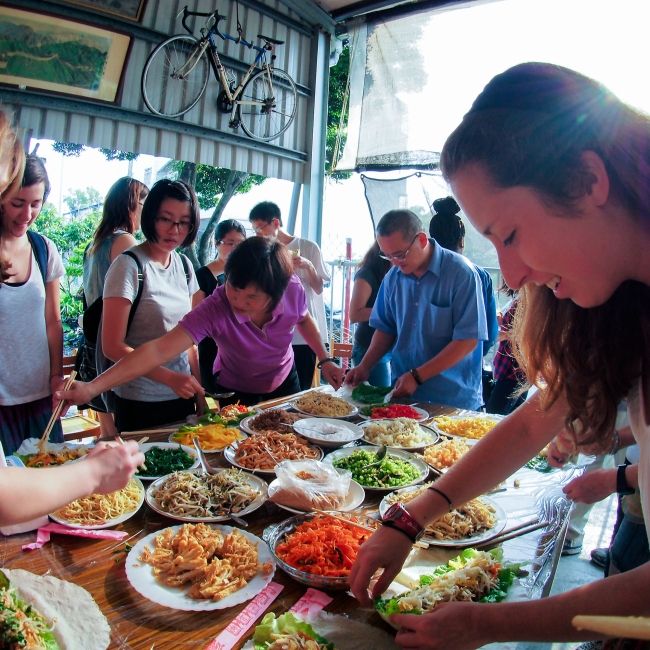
point(425, 314)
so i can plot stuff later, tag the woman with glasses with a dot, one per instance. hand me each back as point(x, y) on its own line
point(228, 235)
point(169, 220)
point(114, 234)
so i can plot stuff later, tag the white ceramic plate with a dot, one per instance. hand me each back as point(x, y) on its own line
point(240, 433)
point(141, 577)
point(478, 538)
point(470, 414)
point(29, 447)
point(107, 524)
point(146, 446)
point(255, 482)
point(230, 452)
point(422, 414)
point(328, 432)
point(353, 409)
point(356, 495)
point(418, 463)
point(244, 425)
point(432, 435)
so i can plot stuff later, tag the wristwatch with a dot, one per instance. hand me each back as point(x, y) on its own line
point(622, 486)
point(399, 518)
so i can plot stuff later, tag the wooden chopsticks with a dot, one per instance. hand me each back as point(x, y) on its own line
point(55, 414)
point(516, 531)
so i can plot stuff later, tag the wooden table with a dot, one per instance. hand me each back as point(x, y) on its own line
point(138, 623)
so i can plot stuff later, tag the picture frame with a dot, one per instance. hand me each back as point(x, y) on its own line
point(128, 9)
point(59, 55)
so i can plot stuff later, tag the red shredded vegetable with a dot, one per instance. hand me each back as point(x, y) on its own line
point(394, 411)
point(322, 546)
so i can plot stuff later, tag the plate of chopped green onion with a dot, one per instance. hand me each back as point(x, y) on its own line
point(162, 458)
point(397, 469)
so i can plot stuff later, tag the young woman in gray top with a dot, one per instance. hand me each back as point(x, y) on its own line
point(170, 219)
point(114, 235)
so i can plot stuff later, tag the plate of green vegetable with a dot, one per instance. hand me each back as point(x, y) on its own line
point(397, 469)
point(368, 394)
point(162, 458)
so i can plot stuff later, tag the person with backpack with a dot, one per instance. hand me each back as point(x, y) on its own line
point(147, 291)
point(114, 234)
point(31, 347)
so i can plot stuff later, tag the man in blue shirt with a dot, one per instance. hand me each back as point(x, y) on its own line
point(430, 310)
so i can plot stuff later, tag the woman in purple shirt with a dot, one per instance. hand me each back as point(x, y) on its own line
point(251, 318)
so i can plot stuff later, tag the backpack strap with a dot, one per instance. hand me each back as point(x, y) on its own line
point(186, 266)
point(138, 295)
point(41, 252)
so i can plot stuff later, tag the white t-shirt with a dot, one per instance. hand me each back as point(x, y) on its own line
point(25, 365)
point(310, 251)
point(640, 424)
point(166, 298)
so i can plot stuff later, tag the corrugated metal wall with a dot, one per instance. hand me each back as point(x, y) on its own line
point(203, 134)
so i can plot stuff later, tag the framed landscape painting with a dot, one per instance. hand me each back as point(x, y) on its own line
point(59, 55)
point(130, 9)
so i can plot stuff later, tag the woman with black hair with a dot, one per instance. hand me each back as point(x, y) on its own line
point(251, 317)
point(228, 235)
point(448, 229)
point(169, 220)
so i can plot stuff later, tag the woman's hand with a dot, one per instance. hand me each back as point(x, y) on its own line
point(386, 549)
point(333, 374)
point(449, 625)
point(592, 486)
point(405, 385)
point(78, 393)
point(561, 448)
point(185, 386)
point(112, 464)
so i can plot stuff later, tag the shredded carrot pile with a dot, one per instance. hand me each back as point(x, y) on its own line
point(322, 546)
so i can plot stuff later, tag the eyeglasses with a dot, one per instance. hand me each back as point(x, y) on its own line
point(230, 244)
point(183, 226)
point(401, 256)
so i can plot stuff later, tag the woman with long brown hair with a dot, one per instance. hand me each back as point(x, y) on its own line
point(555, 171)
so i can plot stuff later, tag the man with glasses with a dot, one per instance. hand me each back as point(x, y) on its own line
point(430, 310)
point(308, 265)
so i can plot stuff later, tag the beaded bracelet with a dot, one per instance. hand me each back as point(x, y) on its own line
point(321, 363)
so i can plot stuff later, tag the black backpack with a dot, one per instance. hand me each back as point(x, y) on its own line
point(41, 252)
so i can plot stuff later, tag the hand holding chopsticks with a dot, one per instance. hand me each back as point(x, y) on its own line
point(55, 414)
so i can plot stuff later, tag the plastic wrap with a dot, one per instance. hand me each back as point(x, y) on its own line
point(307, 484)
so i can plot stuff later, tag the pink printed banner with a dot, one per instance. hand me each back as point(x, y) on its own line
point(243, 622)
point(312, 602)
point(43, 534)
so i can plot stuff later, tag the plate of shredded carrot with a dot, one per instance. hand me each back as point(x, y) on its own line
point(319, 550)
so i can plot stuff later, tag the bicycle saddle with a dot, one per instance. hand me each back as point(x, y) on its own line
point(270, 40)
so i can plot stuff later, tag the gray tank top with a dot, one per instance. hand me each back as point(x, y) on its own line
point(96, 266)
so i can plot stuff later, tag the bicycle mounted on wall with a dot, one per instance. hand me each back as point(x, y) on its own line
point(176, 74)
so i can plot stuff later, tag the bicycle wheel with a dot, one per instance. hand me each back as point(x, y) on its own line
point(267, 106)
point(175, 76)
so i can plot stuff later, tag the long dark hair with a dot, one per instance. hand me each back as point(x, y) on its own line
point(529, 127)
point(120, 202)
point(373, 261)
point(35, 173)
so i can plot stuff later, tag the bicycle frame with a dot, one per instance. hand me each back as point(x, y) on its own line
point(209, 42)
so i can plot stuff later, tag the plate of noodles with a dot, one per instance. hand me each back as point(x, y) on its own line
point(320, 404)
point(475, 522)
point(199, 567)
point(55, 453)
point(263, 451)
point(472, 425)
point(102, 510)
point(194, 496)
point(270, 420)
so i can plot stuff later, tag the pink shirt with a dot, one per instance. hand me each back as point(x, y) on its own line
point(249, 359)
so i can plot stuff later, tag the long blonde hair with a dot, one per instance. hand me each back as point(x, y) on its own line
point(12, 159)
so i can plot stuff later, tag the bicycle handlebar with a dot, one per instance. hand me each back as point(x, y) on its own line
point(210, 14)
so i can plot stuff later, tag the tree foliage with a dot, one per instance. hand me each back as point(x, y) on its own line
point(214, 186)
point(336, 108)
